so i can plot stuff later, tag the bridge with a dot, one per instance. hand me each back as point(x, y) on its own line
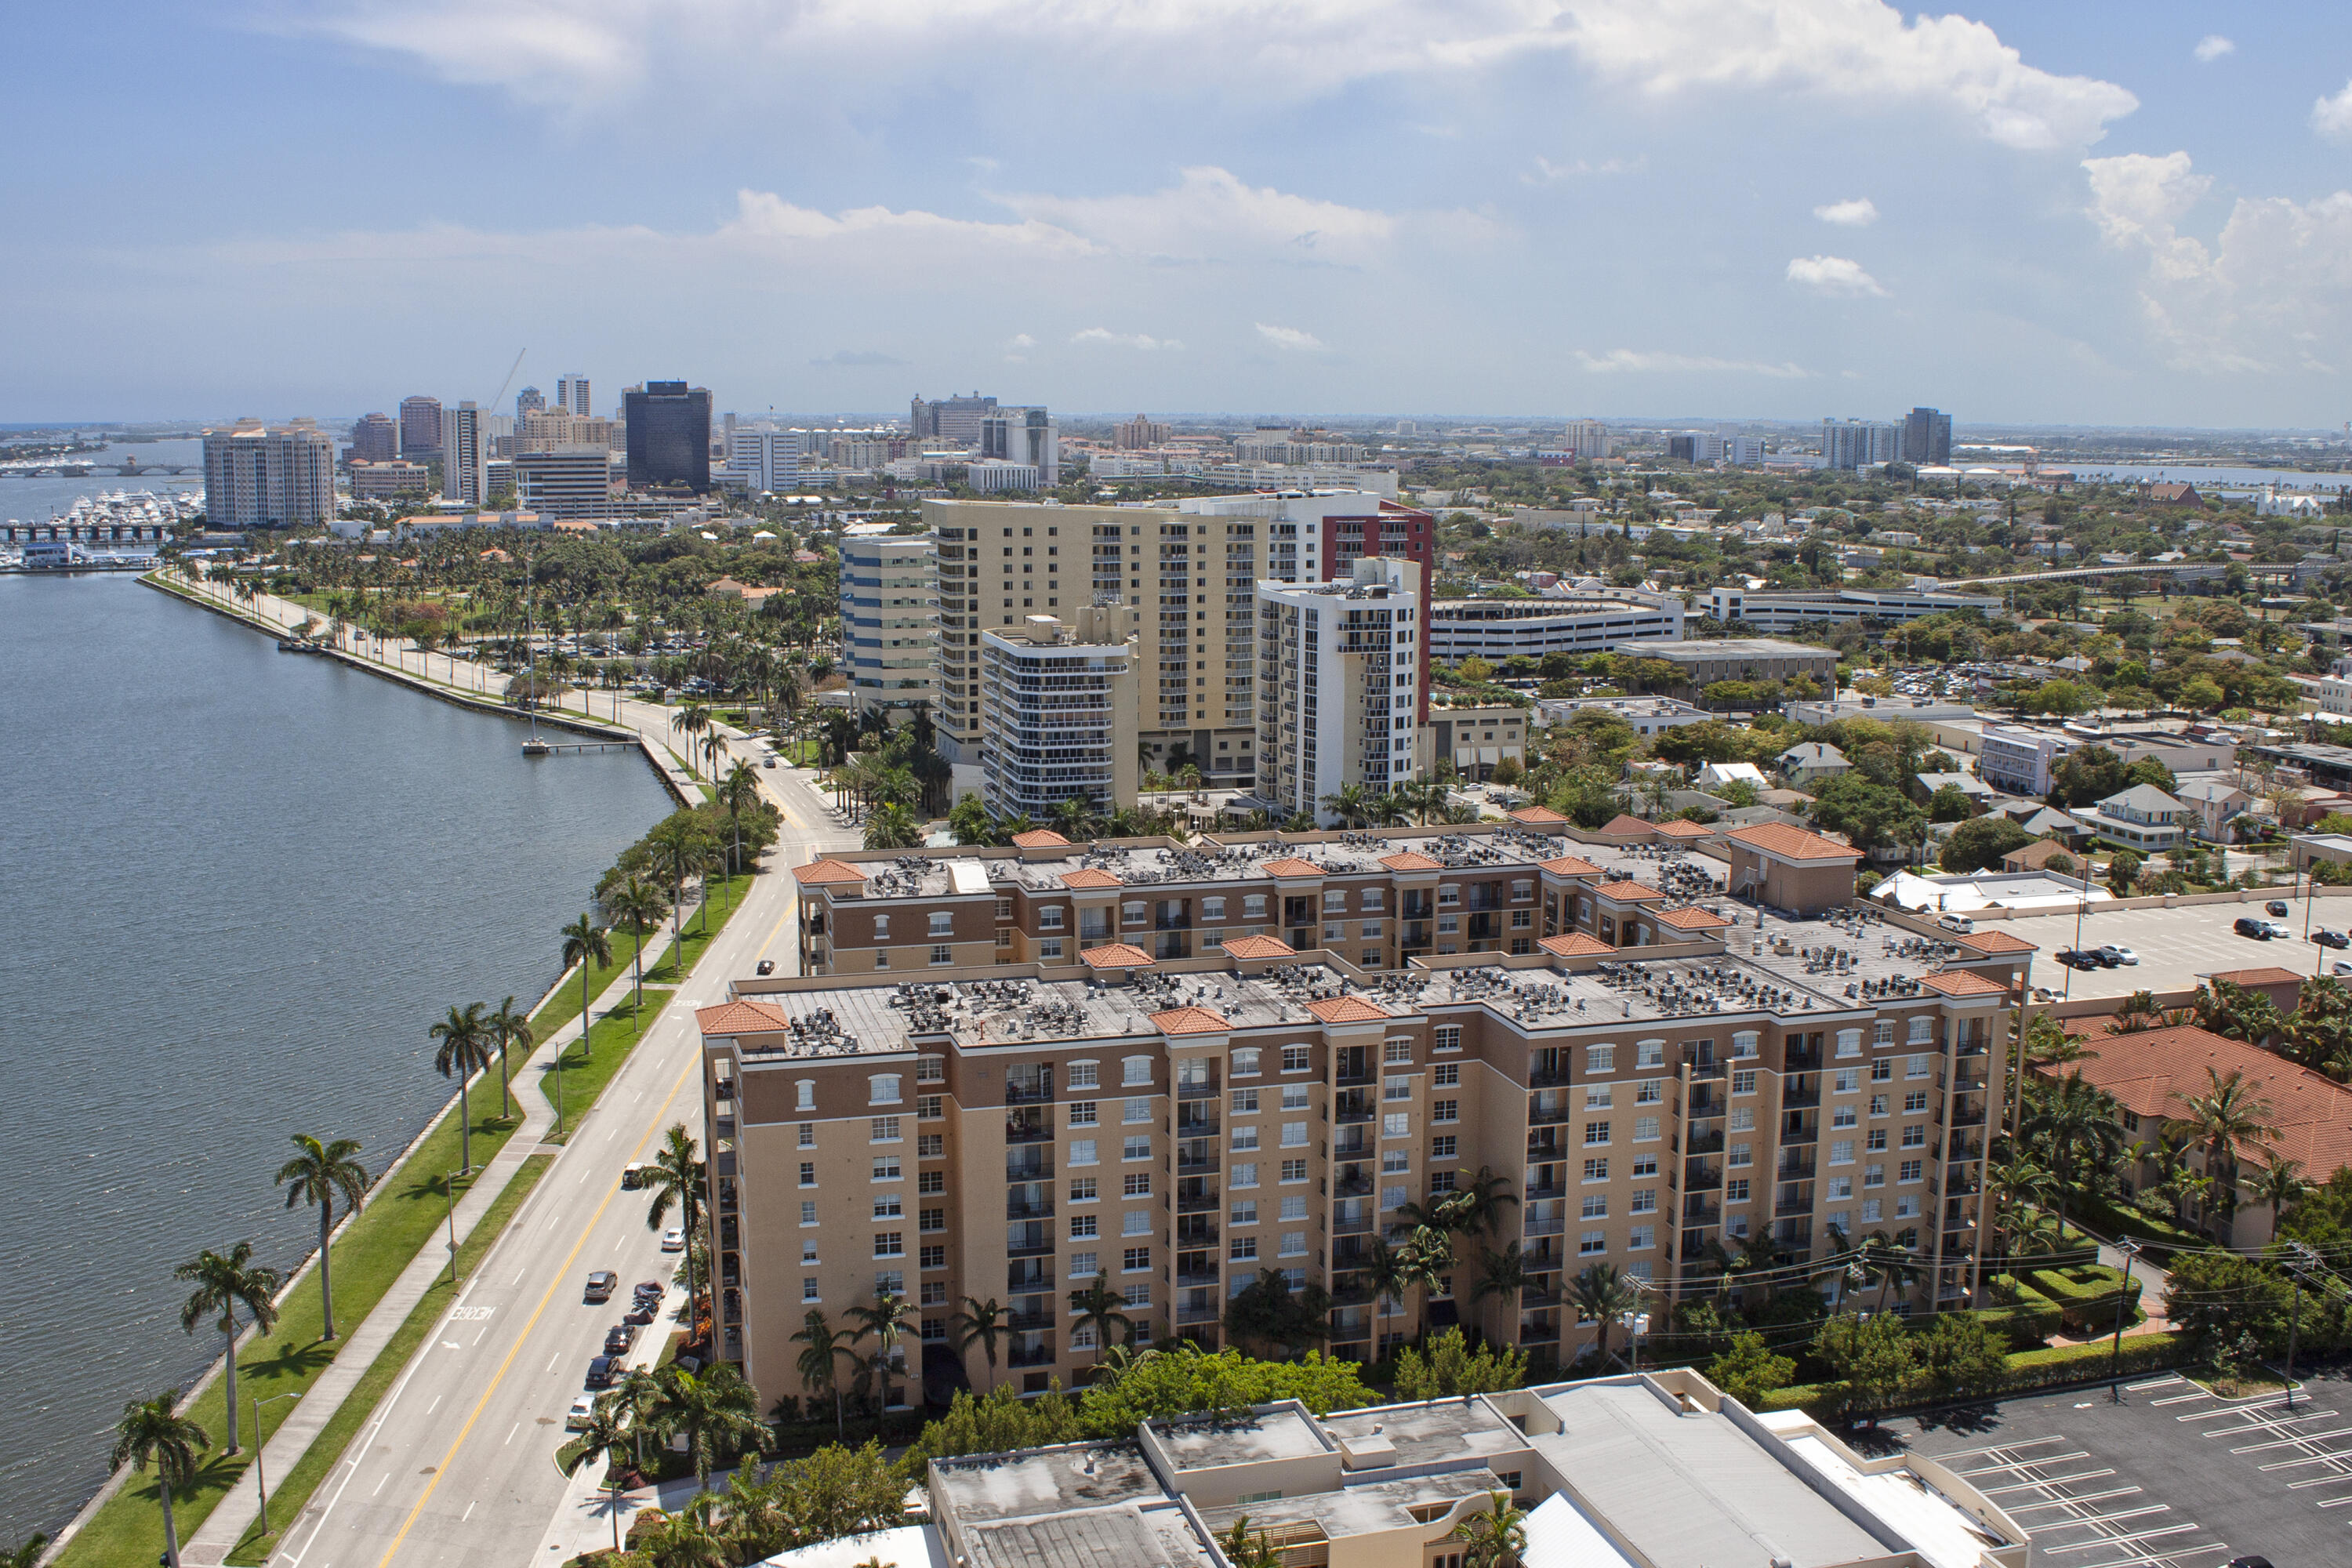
point(128, 469)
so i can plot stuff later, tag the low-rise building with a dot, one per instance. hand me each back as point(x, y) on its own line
point(1647, 715)
point(2021, 761)
point(2141, 818)
point(1478, 740)
point(1773, 610)
point(1702, 663)
point(2210, 804)
point(389, 478)
point(1713, 777)
point(1813, 763)
point(1576, 623)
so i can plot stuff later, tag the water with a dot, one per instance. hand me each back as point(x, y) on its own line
point(31, 501)
point(240, 884)
point(2204, 477)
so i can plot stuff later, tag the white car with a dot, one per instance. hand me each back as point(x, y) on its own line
point(576, 1418)
point(2121, 954)
point(2279, 930)
point(674, 1239)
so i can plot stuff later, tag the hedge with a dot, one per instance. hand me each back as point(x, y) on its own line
point(2025, 1371)
point(2162, 1237)
point(2087, 1294)
point(2027, 1316)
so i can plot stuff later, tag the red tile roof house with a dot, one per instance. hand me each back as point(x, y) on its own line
point(2151, 1074)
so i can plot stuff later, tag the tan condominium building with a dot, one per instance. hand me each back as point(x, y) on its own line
point(1189, 570)
point(1649, 1470)
point(1165, 1094)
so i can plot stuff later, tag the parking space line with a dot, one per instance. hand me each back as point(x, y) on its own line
point(2184, 1399)
point(2121, 1540)
point(2052, 1481)
point(1995, 1448)
point(2093, 1520)
point(2070, 1501)
point(2286, 1442)
point(2157, 1383)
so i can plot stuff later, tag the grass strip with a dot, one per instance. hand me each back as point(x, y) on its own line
point(587, 1068)
point(294, 1492)
point(370, 1253)
point(701, 930)
point(563, 1005)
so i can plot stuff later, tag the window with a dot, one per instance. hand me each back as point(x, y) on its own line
point(1743, 1043)
point(1874, 1141)
point(1084, 1265)
point(1842, 1116)
point(1590, 1242)
point(1849, 1042)
point(932, 1256)
point(1915, 1138)
point(1842, 1152)
point(1917, 1066)
point(1445, 1110)
point(1848, 1080)
point(935, 1293)
point(1446, 1075)
point(1084, 1227)
point(883, 1130)
point(808, 1252)
point(1050, 917)
point(1909, 1171)
point(1599, 1058)
point(1294, 1135)
point(1739, 1156)
point(1082, 1075)
point(1883, 1032)
point(889, 1206)
point(1870, 1210)
point(1644, 1201)
point(890, 1244)
point(1397, 1124)
point(1650, 1054)
point(808, 1173)
point(1396, 1086)
point(929, 1146)
point(1135, 1259)
point(1596, 1096)
point(1082, 1151)
point(1744, 1081)
point(1212, 908)
point(1245, 1062)
point(1082, 1338)
point(1646, 1129)
point(1874, 1176)
point(1645, 1166)
point(1743, 1118)
point(1294, 1097)
point(1735, 1191)
point(1136, 1295)
point(1245, 1140)
point(1081, 1113)
point(1445, 1038)
point(1650, 1092)
point(1596, 1170)
point(1393, 1052)
point(808, 1134)
point(1294, 1059)
point(1049, 947)
point(1372, 900)
point(1882, 1071)
point(1137, 1071)
point(1395, 1162)
point(807, 1091)
point(1335, 900)
point(931, 1070)
point(1641, 1239)
point(1244, 1102)
point(1596, 1133)
point(1245, 1211)
point(1293, 1170)
point(1442, 1148)
point(1245, 1173)
point(929, 1108)
point(942, 922)
point(808, 1288)
point(1082, 1190)
point(1923, 1030)
point(1135, 1108)
point(1914, 1102)
point(1253, 907)
point(1138, 1184)
point(881, 928)
point(1906, 1209)
point(1596, 1206)
point(882, 958)
point(943, 953)
point(1879, 1105)
point(1139, 1148)
point(808, 1210)
point(882, 1088)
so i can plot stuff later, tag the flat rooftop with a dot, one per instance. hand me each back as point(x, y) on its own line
point(1036, 1482)
point(2178, 948)
point(1207, 1444)
point(1440, 1429)
point(1125, 1537)
point(1362, 1509)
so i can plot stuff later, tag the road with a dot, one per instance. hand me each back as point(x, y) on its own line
point(458, 1465)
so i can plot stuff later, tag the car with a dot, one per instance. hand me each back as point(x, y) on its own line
point(2279, 931)
point(2326, 938)
point(770, 762)
point(603, 1370)
point(767, 966)
point(2114, 955)
point(644, 1311)
point(576, 1418)
point(2246, 925)
point(2073, 959)
point(2251, 1559)
point(602, 1283)
point(653, 1288)
point(2275, 907)
point(633, 1176)
point(618, 1340)
point(2099, 957)
point(1960, 923)
point(674, 1239)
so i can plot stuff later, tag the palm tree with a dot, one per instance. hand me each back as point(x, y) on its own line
point(2225, 1118)
point(981, 1323)
point(1503, 1274)
point(1603, 1293)
point(154, 1430)
point(1351, 804)
point(638, 907)
point(1098, 1307)
point(464, 1052)
point(2015, 1183)
point(1494, 1539)
point(893, 826)
point(675, 1176)
point(715, 1409)
point(585, 945)
point(1891, 1264)
point(690, 1538)
point(2279, 1184)
point(223, 1281)
point(677, 849)
point(820, 1364)
point(316, 1174)
point(635, 1396)
point(738, 795)
point(509, 1029)
point(2076, 1121)
point(885, 1319)
point(1478, 1206)
point(1243, 1550)
point(609, 1436)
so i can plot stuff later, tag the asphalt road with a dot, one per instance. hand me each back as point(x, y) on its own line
point(458, 1466)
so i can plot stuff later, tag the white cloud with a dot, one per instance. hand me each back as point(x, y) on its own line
point(2333, 116)
point(1211, 215)
point(2211, 48)
point(1547, 170)
point(585, 52)
point(2276, 281)
point(1647, 362)
point(1018, 341)
point(1833, 275)
point(1291, 339)
point(1859, 212)
point(1103, 337)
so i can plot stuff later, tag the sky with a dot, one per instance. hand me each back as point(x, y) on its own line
point(2090, 214)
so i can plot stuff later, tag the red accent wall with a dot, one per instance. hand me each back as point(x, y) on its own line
point(1395, 530)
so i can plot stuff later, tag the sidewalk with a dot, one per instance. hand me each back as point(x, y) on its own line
point(236, 1512)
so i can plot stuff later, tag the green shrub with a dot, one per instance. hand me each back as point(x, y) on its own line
point(2086, 1293)
point(2026, 1315)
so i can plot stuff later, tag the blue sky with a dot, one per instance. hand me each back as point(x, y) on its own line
point(2084, 213)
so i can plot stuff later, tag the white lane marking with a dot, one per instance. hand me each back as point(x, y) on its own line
point(553, 1359)
point(520, 1272)
point(511, 1436)
point(470, 1511)
point(2052, 1481)
point(478, 1338)
point(435, 1406)
point(379, 1485)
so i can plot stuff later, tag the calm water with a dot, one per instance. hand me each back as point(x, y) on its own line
point(239, 884)
point(2202, 477)
point(30, 501)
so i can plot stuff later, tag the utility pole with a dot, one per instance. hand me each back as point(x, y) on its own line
point(2129, 1247)
point(2300, 1259)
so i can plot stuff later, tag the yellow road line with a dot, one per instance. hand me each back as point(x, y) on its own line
point(561, 1275)
point(781, 921)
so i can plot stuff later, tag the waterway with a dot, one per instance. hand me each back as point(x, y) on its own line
point(240, 884)
point(2206, 477)
point(31, 501)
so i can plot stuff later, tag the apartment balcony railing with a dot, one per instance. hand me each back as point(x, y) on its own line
point(1351, 1187)
point(1196, 1202)
point(1703, 1143)
point(1359, 1225)
point(1786, 1206)
point(1975, 1118)
point(1703, 1178)
point(1028, 1132)
point(1031, 1170)
point(1196, 1277)
point(1027, 1094)
point(1022, 1278)
point(1702, 1214)
point(1538, 1296)
point(1195, 1233)
point(1352, 1115)
point(1015, 1209)
point(1545, 1227)
point(1189, 1314)
point(1020, 1322)
point(1030, 1356)
point(1790, 1170)
point(1198, 1163)
point(1197, 1091)
point(1195, 1126)
point(1542, 1194)
point(1799, 1135)
point(1556, 1078)
point(1354, 1080)
point(1800, 1099)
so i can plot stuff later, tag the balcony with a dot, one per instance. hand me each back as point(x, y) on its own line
point(1538, 1296)
point(1025, 1279)
point(1352, 1188)
point(1703, 1178)
point(1023, 1131)
point(1546, 1115)
point(1355, 1078)
point(1018, 1093)
point(1201, 1277)
point(1197, 1091)
point(1783, 1207)
point(1792, 1169)
point(1705, 1143)
point(1041, 1354)
point(1197, 1163)
point(1352, 1115)
point(1800, 1099)
point(1800, 1061)
point(1350, 1145)
point(1028, 1321)
point(1558, 1078)
point(1546, 1227)
point(1359, 1225)
point(1030, 1170)
point(1970, 1117)
point(1800, 1135)
point(1702, 1214)
point(1968, 1086)
point(1197, 1203)
point(1543, 1193)
point(1015, 1208)
point(1192, 1122)
point(1195, 1232)
point(1029, 1241)
point(1189, 1314)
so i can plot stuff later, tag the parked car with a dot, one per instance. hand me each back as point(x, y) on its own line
point(576, 1418)
point(767, 966)
point(2281, 931)
point(2340, 967)
point(2326, 938)
point(1960, 923)
point(2101, 957)
point(2246, 925)
point(653, 1288)
point(674, 1239)
point(603, 1370)
point(618, 1340)
point(2075, 959)
point(2275, 907)
point(602, 1283)
point(2114, 955)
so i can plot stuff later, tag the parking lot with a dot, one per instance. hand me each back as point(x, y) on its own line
point(2174, 1474)
point(2178, 948)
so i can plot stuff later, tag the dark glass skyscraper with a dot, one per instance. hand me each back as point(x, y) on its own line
point(669, 436)
point(1927, 436)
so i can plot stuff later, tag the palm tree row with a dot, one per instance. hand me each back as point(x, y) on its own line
point(824, 1349)
point(715, 1411)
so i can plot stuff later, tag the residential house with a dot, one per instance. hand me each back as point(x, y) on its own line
point(1923, 787)
point(2211, 803)
point(1713, 777)
point(2140, 819)
point(1812, 763)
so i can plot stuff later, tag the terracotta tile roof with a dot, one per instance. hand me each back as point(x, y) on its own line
point(1291, 866)
point(1116, 955)
point(1627, 891)
point(1411, 860)
point(1963, 983)
point(1190, 1021)
point(2268, 976)
point(1691, 919)
point(1257, 947)
point(1570, 865)
point(1088, 877)
point(1040, 838)
point(1575, 944)
point(1535, 816)
point(1347, 1010)
point(2035, 856)
point(2145, 1071)
point(1994, 942)
point(1792, 843)
point(740, 1018)
point(1679, 828)
point(817, 873)
point(1622, 824)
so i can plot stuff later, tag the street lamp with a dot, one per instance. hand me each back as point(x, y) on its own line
point(260, 1477)
point(2129, 1247)
point(449, 1192)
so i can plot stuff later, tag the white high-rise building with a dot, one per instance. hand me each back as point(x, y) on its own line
point(766, 460)
point(1338, 685)
point(570, 481)
point(1024, 436)
point(1058, 704)
point(571, 395)
point(262, 476)
point(1859, 443)
point(464, 455)
point(890, 616)
point(1586, 439)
